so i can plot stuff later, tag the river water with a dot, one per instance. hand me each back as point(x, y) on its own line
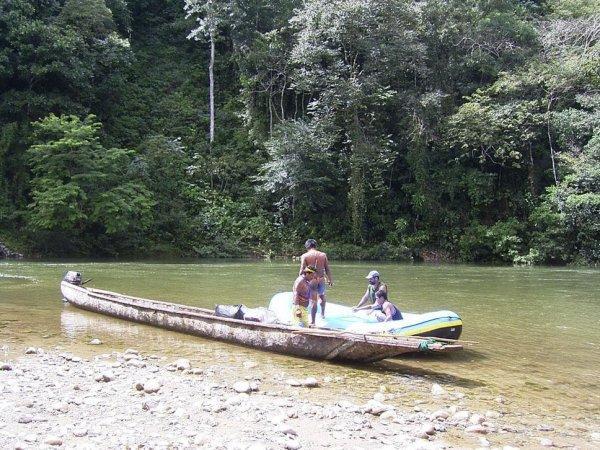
point(537, 356)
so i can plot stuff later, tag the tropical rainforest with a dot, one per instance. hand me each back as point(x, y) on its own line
point(461, 130)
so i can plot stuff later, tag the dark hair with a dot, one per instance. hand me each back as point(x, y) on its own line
point(310, 243)
point(381, 294)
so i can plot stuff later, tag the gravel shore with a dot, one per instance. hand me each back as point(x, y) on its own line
point(131, 400)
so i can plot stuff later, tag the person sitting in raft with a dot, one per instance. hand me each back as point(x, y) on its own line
point(387, 310)
point(375, 285)
point(302, 296)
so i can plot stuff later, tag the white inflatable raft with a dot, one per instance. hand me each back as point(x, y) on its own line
point(440, 324)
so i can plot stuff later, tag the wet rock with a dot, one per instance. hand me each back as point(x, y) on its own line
point(95, 341)
point(53, 440)
point(436, 389)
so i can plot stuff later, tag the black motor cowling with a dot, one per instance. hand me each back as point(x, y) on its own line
point(73, 278)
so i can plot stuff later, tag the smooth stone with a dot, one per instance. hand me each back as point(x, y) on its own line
point(428, 428)
point(183, 364)
point(96, 342)
point(476, 419)
point(30, 351)
point(441, 414)
point(545, 442)
point(152, 386)
point(292, 445)
point(461, 416)
point(80, 432)
point(310, 382)
point(53, 440)
point(376, 408)
point(287, 429)
point(436, 389)
point(242, 387)
point(479, 429)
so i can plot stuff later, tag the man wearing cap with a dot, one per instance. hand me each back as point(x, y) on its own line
point(375, 284)
point(319, 260)
point(302, 296)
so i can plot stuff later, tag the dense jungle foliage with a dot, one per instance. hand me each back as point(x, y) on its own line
point(459, 129)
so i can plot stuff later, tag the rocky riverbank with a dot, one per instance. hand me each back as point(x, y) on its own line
point(130, 400)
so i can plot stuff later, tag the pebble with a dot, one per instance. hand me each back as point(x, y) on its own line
point(53, 440)
point(131, 351)
point(461, 416)
point(376, 408)
point(294, 382)
point(95, 342)
point(151, 386)
point(476, 419)
point(25, 419)
point(310, 382)
point(436, 389)
point(428, 428)
point(545, 442)
point(479, 429)
point(292, 445)
point(6, 366)
point(287, 429)
point(242, 387)
point(30, 351)
point(183, 364)
point(440, 414)
point(105, 376)
point(80, 432)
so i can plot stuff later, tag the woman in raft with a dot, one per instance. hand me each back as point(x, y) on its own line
point(387, 310)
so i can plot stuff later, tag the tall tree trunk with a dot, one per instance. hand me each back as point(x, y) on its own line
point(211, 82)
point(552, 154)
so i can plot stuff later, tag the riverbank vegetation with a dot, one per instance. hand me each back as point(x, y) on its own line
point(467, 130)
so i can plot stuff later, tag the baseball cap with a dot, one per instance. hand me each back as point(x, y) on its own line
point(372, 273)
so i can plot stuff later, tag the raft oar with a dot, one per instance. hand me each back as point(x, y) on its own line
point(86, 281)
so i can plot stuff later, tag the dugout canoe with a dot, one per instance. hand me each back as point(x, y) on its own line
point(311, 343)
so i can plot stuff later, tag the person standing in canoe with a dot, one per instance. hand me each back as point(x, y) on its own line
point(375, 285)
point(314, 257)
point(302, 296)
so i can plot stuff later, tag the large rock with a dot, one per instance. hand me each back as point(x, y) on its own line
point(6, 253)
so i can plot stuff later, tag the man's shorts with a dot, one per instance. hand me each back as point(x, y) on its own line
point(321, 286)
point(301, 321)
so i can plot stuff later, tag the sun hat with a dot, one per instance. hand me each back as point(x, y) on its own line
point(372, 273)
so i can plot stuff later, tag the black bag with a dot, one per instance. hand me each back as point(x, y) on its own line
point(230, 311)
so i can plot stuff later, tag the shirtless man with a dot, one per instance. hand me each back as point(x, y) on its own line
point(318, 259)
point(302, 296)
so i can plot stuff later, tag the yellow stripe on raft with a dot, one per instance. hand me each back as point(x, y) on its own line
point(425, 329)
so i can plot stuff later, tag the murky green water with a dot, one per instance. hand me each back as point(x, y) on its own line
point(538, 329)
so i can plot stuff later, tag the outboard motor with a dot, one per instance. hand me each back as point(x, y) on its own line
point(73, 278)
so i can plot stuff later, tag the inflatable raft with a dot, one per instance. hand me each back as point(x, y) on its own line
point(440, 324)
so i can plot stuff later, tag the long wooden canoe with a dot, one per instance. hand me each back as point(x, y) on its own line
point(304, 342)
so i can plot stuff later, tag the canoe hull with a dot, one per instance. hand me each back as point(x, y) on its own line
point(315, 344)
